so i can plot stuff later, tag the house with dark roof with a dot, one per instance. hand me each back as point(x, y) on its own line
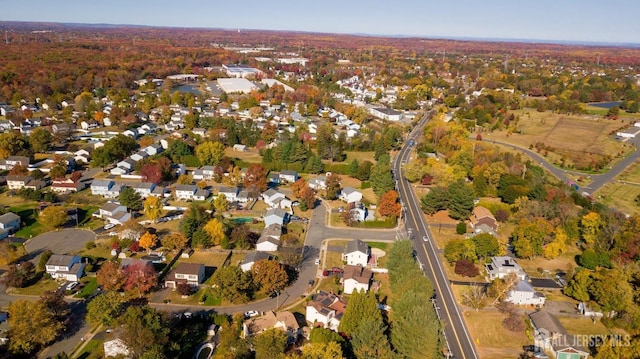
point(356, 253)
point(356, 278)
point(189, 273)
point(17, 182)
point(482, 216)
point(325, 310)
point(550, 335)
point(66, 185)
point(67, 267)
point(269, 240)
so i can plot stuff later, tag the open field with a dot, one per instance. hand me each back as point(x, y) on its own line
point(565, 262)
point(631, 174)
point(491, 339)
point(576, 141)
point(251, 155)
point(211, 259)
point(620, 196)
point(583, 326)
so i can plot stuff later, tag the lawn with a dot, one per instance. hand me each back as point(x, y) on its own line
point(491, 339)
point(583, 326)
point(330, 284)
point(89, 285)
point(384, 292)
point(209, 259)
point(576, 141)
point(29, 215)
point(620, 196)
point(93, 349)
point(565, 262)
point(37, 288)
point(631, 174)
point(251, 155)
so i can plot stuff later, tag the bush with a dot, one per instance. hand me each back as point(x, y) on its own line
point(502, 215)
point(461, 227)
point(513, 323)
point(90, 245)
point(184, 289)
point(365, 185)
point(465, 268)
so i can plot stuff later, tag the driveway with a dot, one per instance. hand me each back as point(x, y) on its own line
point(63, 241)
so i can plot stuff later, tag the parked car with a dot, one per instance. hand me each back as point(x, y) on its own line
point(251, 313)
point(72, 285)
point(109, 226)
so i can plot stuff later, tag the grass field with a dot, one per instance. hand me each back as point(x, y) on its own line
point(631, 174)
point(251, 155)
point(489, 336)
point(37, 288)
point(209, 259)
point(583, 326)
point(93, 349)
point(575, 141)
point(620, 196)
point(565, 262)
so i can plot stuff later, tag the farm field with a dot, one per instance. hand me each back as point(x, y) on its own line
point(573, 141)
point(621, 196)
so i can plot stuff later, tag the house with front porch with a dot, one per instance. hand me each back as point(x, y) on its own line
point(67, 267)
point(189, 273)
point(552, 337)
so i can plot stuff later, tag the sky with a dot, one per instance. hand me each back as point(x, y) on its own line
point(611, 21)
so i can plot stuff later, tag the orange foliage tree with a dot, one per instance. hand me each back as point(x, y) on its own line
point(389, 205)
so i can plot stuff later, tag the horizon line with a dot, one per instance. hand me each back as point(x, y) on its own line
point(588, 43)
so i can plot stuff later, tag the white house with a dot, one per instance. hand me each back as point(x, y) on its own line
point(550, 335)
point(350, 195)
point(284, 321)
point(185, 192)
point(144, 189)
point(318, 183)
point(66, 185)
point(189, 273)
point(240, 148)
point(251, 258)
point(9, 223)
point(105, 188)
point(288, 176)
point(153, 149)
point(16, 182)
point(275, 215)
point(326, 309)
point(502, 266)
point(61, 266)
point(139, 156)
point(231, 193)
point(524, 294)
point(275, 199)
point(356, 278)
point(269, 240)
point(356, 253)
point(113, 213)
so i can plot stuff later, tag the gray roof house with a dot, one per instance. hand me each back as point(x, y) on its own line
point(356, 253)
point(251, 258)
point(550, 335)
point(9, 223)
point(275, 216)
point(269, 240)
point(502, 266)
point(61, 266)
point(190, 273)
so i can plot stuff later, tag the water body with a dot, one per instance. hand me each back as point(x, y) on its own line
point(609, 104)
point(194, 89)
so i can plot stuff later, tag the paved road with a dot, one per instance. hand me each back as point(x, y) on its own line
point(459, 343)
point(597, 180)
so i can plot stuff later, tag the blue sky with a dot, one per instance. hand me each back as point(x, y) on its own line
point(560, 20)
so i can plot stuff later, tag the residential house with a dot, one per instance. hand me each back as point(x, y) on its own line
point(83, 156)
point(231, 193)
point(63, 128)
point(288, 176)
point(269, 240)
point(116, 348)
point(325, 310)
point(386, 113)
point(66, 185)
point(132, 132)
point(271, 196)
point(356, 253)
point(11, 161)
point(9, 223)
point(186, 192)
point(35, 184)
point(240, 148)
point(67, 267)
point(245, 196)
point(113, 213)
point(89, 124)
point(318, 183)
point(139, 156)
point(199, 131)
point(153, 149)
point(502, 266)
point(206, 173)
point(359, 213)
point(356, 278)
point(588, 312)
point(550, 335)
point(273, 177)
point(284, 321)
point(524, 294)
point(105, 188)
point(251, 258)
point(144, 189)
point(190, 273)
point(350, 195)
point(17, 182)
point(482, 216)
point(275, 215)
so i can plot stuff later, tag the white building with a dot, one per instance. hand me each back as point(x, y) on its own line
point(60, 266)
point(356, 253)
point(524, 294)
point(356, 278)
point(326, 309)
point(500, 267)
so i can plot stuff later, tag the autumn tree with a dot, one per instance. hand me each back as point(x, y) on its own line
point(110, 277)
point(590, 225)
point(298, 186)
point(307, 199)
point(175, 240)
point(215, 229)
point(53, 216)
point(105, 308)
point(148, 241)
point(58, 171)
point(20, 275)
point(389, 205)
point(150, 172)
point(333, 187)
point(153, 207)
point(221, 204)
point(270, 344)
point(27, 334)
point(140, 278)
point(270, 276)
point(241, 237)
point(255, 180)
point(19, 170)
point(475, 297)
point(40, 139)
point(529, 236)
point(330, 350)
point(234, 284)
point(210, 153)
point(500, 286)
point(185, 179)
point(143, 328)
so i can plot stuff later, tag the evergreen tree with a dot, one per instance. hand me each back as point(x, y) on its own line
point(461, 199)
point(381, 180)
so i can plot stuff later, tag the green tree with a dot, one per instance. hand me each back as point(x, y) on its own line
point(592, 259)
point(53, 216)
point(457, 249)
point(434, 201)
point(331, 350)
point(461, 199)
point(58, 171)
point(362, 306)
point(105, 308)
point(270, 344)
point(486, 245)
point(364, 171)
point(195, 217)
point(612, 291)
point(210, 153)
point(324, 335)
point(130, 199)
point(221, 204)
point(381, 179)
point(333, 186)
point(40, 139)
point(234, 284)
point(370, 341)
point(143, 327)
point(352, 170)
point(578, 286)
point(230, 344)
point(27, 334)
point(529, 236)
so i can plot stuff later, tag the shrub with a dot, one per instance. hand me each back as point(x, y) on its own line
point(502, 215)
point(465, 268)
point(90, 245)
point(461, 227)
point(184, 289)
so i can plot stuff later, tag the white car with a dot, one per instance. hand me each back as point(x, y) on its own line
point(425, 238)
point(72, 285)
point(109, 226)
point(251, 313)
point(317, 261)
